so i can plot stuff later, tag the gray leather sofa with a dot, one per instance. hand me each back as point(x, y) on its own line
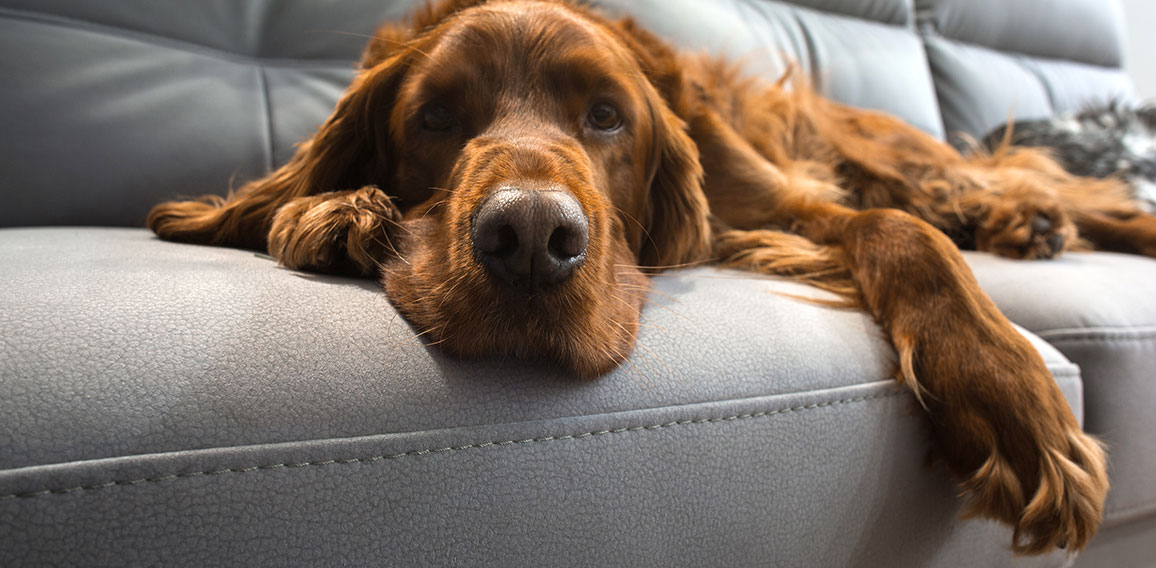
point(168, 404)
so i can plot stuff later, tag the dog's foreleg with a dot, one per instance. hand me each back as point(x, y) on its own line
point(344, 232)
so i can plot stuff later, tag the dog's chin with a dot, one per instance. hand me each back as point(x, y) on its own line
point(460, 309)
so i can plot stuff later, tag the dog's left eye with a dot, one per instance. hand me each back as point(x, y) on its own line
point(437, 118)
point(604, 117)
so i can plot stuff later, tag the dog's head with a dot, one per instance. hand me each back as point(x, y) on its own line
point(534, 151)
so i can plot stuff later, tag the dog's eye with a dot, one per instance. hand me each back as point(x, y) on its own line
point(437, 118)
point(604, 117)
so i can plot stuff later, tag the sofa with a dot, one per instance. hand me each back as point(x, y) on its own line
point(171, 404)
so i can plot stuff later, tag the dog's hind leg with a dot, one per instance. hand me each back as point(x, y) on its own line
point(1133, 233)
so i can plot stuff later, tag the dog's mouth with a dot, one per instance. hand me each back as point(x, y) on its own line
point(577, 305)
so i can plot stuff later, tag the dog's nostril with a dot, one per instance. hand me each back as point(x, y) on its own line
point(506, 241)
point(530, 239)
point(495, 238)
point(567, 242)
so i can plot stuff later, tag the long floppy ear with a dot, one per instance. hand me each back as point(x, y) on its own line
point(349, 151)
point(678, 221)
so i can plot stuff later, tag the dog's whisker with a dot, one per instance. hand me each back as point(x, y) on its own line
point(645, 352)
point(667, 307)
point(690, 264)
point(609, 351)
point(649, 290)
point(444, 339)
point(641, 227)
point(399, 224)
point(748, 276)
point(429, 211)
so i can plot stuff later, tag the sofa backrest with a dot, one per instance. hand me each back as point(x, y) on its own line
point(1034, 58)
point(110, 107)
point(862, 53)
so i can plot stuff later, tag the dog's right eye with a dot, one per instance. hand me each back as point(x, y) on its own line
point(437, 118)
point(604, 117)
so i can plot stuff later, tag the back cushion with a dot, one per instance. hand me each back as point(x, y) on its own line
point(110, 107)
point(995, 59)
point(863, 53)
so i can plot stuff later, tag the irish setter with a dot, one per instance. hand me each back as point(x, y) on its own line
point(514, 169)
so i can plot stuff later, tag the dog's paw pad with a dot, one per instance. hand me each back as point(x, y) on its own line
point(1026, 231)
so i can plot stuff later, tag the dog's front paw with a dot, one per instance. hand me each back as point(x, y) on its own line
point(1025, 224)
point(1009, 437)
point(341, 231)
point(1052, 497)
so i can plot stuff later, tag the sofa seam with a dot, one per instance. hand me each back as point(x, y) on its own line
point(1119, 335)
point(814, 77)
point(1127, 513)
point(748, 10)
point(890, 393)
point(1033, 70)
point(267, 112)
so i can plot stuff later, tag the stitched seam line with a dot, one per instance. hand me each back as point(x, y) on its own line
point(1100, 336)
point(447, 449)
point(1131, 510)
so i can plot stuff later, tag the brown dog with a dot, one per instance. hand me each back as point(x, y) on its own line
point(514, 167)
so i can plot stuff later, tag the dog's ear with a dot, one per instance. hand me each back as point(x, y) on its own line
point(677, 219)
point(349, 151)
point(677, 225)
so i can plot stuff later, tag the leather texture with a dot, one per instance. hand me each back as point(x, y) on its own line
point(166, 404)
point(240, 413)
point(249, 366)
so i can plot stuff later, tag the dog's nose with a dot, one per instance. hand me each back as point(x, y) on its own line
point(531, 239)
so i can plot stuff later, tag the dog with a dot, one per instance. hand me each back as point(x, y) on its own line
point(514, 170)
